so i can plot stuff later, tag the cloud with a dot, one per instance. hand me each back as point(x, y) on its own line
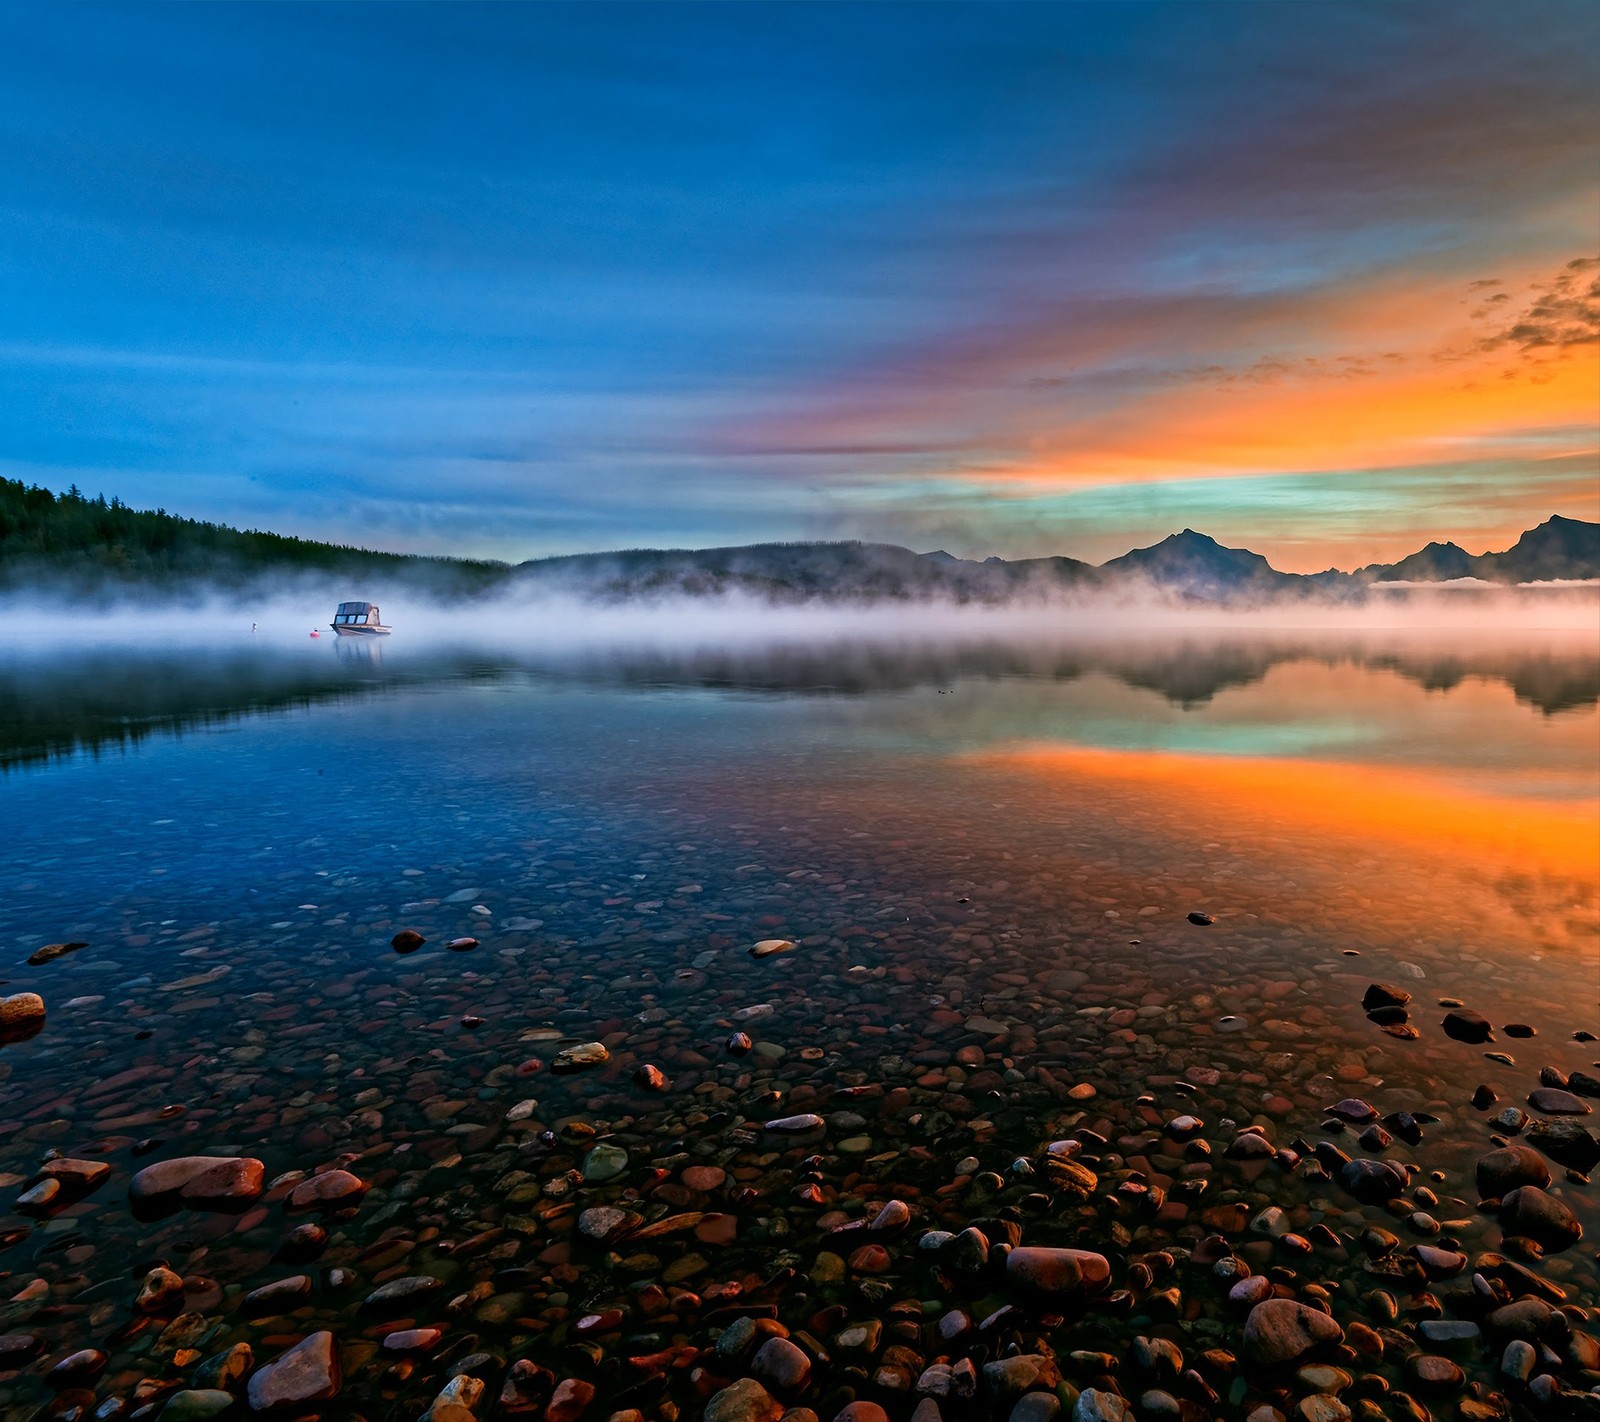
point(1565, 311)
point(773, 272)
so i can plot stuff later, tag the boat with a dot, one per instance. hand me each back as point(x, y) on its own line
point(359, 619)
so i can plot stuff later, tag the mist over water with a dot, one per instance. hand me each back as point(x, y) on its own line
point(539, 620)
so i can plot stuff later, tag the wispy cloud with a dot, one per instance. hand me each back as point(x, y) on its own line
point(692, 274)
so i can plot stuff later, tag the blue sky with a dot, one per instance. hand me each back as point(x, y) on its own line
point(527, 279)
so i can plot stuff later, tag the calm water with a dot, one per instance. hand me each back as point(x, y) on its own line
point(986, 854)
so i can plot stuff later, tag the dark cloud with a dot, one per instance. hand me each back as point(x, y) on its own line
point(1564, 312)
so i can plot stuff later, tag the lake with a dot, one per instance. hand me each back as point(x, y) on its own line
point(1124, 891)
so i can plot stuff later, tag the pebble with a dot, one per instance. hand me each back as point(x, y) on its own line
point(803, 1124)
point(581, 1057)
point(51, 951)
point(328, 1190)
point(1543, 1218)
point(1549, 1101)
point(1279, 1332)
point(202, 1182)
point(196, 1404)
point(604, 1162)
point(1465, 1025)
point(744, 1400)
point(1499, 1171)
point(778, 1364)
point(650, 1078)
point(1097, 1405)
point(300, 1376)
point(21, 1015)
point(1058, 1275)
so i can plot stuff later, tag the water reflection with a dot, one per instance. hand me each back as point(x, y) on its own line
point(53, 705)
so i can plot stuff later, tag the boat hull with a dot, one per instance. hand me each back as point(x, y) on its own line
point(352, 631)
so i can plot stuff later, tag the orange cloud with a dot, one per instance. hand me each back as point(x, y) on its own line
point(1404, 374)
point(1399, 368)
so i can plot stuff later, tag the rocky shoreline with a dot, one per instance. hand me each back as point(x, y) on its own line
point(949, 1237)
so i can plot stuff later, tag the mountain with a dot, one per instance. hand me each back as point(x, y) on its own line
point(1558, 548)
point(71, 545)
point(1200, 566)
point(796, 572)
point(1438, 562)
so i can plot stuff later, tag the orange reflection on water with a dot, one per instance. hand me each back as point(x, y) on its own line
point(1542, 822)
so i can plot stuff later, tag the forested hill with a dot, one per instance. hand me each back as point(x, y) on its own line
point(75, 546)
point(70, 537)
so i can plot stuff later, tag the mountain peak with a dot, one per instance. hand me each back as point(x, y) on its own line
point(1197, 563)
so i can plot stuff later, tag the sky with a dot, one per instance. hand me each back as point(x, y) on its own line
point(1318, 279)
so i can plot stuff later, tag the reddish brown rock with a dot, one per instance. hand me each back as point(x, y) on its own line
point(21, 1015)
point(650, 1077)
point(1282, 1331)
point(704, 1177)
point(861, 1412)
point(161, 1292)
point(331, 1190)
point(1530, 1212)
point(1057, 1274)
point(569, 1401)
point(77, 1177)
point(203, 1182)
point(779, 1364)
point(870, 1259)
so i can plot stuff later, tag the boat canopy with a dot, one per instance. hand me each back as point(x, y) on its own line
point(356, 614)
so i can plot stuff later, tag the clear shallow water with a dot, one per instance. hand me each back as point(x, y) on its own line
point(989, 848)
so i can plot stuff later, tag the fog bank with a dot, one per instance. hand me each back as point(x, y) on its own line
point(544, 622)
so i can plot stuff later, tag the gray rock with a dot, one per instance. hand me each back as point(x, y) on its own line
point(1093, 1405)
point(1036, 1407)
point(779, 1364)
point(304, 1374)
point(1444, 1331)
point(1518, 1360)
point(743, 1401)
point(1551, 1101)
point(1566, 1142)
point(195, 1404)
point(1373, 1181)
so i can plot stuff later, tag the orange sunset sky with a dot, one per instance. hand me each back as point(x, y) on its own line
point(1318, 279)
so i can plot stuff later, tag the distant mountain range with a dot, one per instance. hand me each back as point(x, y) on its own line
point(1189, 565)
point(66, 542)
